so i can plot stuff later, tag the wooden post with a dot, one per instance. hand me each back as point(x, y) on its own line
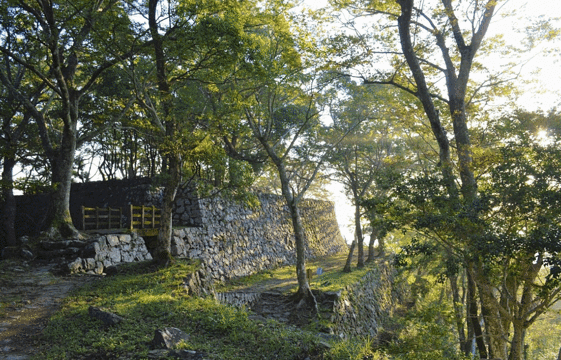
point(309, 274)
point(131, 219)
point(153, 216)
point(142, 219)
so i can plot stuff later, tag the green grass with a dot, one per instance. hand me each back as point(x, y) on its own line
point(337, 280)
point(150, 298)
point(333, 279)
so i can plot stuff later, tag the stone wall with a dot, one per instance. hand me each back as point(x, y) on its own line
point(363, 307)
point(95, 255)
point(186, 209)
point(235, 240)
point(32, 209)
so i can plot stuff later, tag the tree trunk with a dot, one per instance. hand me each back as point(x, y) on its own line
point(424, 95)
point(371, 254)
point(347, 267)
point(493, 323)
point(517, 342)
point(473, 317)
point(464, 346)
point(163, 247)
point(9, 205)
point(524, 307)
point(359, 237)
point(304, 291)
point(59, 220)
point(170, 131)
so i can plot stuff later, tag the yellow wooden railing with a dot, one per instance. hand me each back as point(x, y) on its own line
point(145, 219)
point(101, 218)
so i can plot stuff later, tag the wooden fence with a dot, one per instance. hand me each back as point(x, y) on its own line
point(144, 220)
point(101, 218)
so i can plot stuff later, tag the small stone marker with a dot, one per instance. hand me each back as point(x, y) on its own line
point(319, 271)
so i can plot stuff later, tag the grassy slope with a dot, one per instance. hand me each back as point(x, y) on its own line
point(150, 298)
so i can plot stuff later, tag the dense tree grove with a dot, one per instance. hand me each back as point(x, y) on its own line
point(394, 103)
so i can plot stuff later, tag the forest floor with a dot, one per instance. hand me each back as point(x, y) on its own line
point(31, 294)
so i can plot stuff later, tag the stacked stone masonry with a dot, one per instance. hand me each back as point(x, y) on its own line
point(232, 241)
point(362, 307)
point(95, 255)
point(235, 240)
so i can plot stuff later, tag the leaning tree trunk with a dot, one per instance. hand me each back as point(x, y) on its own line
point(9, 205)
point(304, 290)
point(424, 95)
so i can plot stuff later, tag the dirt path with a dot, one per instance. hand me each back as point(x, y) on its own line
point(29, 296)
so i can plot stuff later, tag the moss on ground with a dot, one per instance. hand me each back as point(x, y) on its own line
point(332, 279)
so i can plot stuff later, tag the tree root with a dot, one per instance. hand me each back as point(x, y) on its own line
point(306, 300)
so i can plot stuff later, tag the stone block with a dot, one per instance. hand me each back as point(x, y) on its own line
point(126, 257)
point(115, 255)
point(98, 268)
point(89, 263)
point(194, 254)
point(112, 240)
point(75, 266)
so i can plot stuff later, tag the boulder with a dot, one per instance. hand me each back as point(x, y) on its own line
point(169, 338)
point(75, 266)
point(106, 317)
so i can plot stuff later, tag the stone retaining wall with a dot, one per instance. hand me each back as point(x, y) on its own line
point(363, 307)
point(94, 255)
point(235, 240)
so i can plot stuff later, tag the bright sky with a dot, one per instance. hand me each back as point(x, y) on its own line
point(544, 68)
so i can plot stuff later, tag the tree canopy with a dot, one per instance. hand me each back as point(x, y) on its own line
point(399, 102)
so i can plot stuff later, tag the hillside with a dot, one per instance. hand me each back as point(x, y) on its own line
point(150, 298)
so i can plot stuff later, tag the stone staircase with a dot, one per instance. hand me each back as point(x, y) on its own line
point(279, 306)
